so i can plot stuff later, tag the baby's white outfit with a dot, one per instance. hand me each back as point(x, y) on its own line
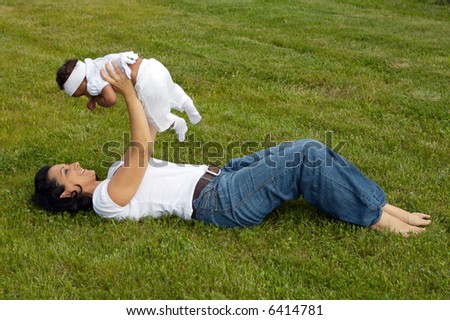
point(95, 82)
point(154, 86)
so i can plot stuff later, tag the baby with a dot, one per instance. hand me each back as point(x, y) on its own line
point(153, 83)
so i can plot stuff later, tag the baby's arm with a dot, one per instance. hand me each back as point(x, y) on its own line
point(108, 98)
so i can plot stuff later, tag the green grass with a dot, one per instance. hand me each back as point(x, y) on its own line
point(374, 74)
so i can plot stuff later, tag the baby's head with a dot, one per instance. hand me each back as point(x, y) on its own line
point(71, 78)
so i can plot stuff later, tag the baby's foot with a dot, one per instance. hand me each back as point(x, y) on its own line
point(195, 118)
point(191, 111)
point(180, 127)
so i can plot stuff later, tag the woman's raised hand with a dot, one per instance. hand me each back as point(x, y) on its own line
point(118, 79)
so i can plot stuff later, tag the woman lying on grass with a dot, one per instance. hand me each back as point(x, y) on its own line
point(241, 194)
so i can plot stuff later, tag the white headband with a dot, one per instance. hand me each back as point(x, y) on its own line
point(75, 78)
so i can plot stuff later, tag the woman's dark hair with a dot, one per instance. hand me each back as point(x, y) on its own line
point(64, 72)
point(47, 195)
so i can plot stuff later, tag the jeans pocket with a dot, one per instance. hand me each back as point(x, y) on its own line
point(207, 199)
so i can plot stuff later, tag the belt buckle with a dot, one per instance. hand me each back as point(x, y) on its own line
point(212, 172)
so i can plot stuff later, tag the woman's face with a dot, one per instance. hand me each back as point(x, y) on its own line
point(72, 177)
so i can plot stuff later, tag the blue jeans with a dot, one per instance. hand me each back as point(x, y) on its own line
point(251, 187)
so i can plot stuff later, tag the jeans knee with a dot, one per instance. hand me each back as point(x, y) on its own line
point(308, 143)
point(314, 152)
point(306, 151)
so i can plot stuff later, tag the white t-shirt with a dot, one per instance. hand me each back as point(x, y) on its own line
point(95, 82)
point(166, 189)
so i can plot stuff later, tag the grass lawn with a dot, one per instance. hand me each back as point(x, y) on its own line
point(370, 78)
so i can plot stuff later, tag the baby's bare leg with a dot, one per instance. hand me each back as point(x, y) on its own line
point(414, 219)
point(394, 224)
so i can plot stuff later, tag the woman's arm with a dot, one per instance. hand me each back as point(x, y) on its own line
point(126, 180)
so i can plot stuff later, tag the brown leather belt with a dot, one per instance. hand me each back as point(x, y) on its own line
point(209, 175)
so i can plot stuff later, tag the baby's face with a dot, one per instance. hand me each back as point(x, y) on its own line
point(82, 90)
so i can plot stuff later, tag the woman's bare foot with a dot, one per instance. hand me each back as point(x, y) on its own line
point(415, 219)
point(394, 224)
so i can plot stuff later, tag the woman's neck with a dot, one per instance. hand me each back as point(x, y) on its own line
point(89, 190)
